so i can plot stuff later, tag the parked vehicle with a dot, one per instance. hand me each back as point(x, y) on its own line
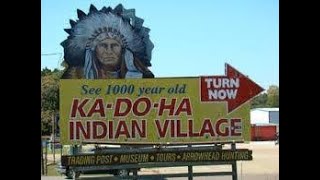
point(71, 174)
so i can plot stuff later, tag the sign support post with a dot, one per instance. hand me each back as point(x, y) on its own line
point(42, 160)
point(46, 159)
point(234, 164)
point(190, 172)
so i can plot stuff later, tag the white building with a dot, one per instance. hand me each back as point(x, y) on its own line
point(260, 116)
point(264, 123)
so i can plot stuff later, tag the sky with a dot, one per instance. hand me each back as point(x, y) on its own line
point(191, 38)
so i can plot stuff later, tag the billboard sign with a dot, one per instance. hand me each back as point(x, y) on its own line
point(180, 110)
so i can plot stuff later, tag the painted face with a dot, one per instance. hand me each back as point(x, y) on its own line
point(108, 53)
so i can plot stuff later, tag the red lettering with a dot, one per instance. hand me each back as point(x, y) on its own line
point(122, 129)
point(162, 131)
point(136, 127)
point(172, 128)
point(118, 107)
point(71, 127)
point(110, 129)
point(147, 107)
point(95, 127)
point(207, 128)
point(234, 127)
point(184, 107)
point(179, 133)
point(81, 128)
point(191, 133)
point(98, 103)
point(164, 106)
point(78, 107)
point(218, 127)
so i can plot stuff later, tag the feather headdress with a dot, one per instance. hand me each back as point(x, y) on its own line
point(118, 23)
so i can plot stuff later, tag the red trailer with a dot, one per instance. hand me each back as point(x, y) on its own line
point(263, 132)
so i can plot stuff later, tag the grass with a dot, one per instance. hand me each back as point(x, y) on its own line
point(52, 170)
point(51, 167)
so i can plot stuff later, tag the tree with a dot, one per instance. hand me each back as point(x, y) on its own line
point(268, 99)
point(49, 97)
point(273, 96)
point(45, 72)
point(49, 93)
point(260, 101)
point(46, 122)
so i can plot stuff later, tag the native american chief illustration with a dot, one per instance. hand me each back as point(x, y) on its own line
point(107, 43)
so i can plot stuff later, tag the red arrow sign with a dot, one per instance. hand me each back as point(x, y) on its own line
point(234, 88)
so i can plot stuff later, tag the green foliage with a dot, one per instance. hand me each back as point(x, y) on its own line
point(49, 97)
point(260, 101)
point(45, 72)
point(46, 122)
point(273, 96)
point(268, 99)
point(50, 92)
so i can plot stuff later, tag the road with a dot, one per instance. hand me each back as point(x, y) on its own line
point(264, 166)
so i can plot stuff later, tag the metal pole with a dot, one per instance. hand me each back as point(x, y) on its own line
point(190, 173)
point(54, 138)
point(46, 158)
point(42, 160)
point(61, 150)
point(234, 164)
point(135, 174)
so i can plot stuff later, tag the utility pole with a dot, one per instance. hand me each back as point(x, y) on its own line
point(54, 137)
point(42, 161)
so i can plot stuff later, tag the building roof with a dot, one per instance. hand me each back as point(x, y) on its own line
point(266, 109)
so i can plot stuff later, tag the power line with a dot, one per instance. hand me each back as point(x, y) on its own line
point(50, 54)
point(53, 54)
